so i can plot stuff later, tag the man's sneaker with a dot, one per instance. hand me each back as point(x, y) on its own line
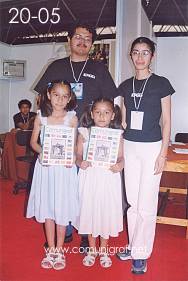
point(139, 266)
point(124, 256)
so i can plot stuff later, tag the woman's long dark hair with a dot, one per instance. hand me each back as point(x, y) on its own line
point(45, 104)
point(87, 121)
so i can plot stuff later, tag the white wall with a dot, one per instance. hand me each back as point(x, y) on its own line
point(37, 57)
point(4, 92)
point(131, 22)
point(172, 62)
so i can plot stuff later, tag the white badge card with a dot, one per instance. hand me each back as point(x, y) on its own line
point(78, 90)
point(137, 120)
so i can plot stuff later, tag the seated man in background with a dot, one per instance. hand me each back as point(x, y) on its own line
point(24, 120)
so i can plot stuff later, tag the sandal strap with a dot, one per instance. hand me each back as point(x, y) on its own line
point(105, 260)
point(60, 260)
point(48, 259)
point(89, 259)
point(59, 256)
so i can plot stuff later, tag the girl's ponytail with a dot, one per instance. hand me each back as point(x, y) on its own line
point(73, 101)
point(86, 120)
point(116, 123)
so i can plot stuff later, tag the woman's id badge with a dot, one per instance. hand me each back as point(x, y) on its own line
point(137, 120)
point(78, 90)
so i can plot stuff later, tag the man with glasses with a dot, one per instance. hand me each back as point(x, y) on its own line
point(89, 79)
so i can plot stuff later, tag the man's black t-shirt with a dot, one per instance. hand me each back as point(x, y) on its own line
point(20, 118)
point(96, 79)
point(157, 87)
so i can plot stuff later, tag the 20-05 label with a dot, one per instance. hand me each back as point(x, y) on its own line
point(43, 16)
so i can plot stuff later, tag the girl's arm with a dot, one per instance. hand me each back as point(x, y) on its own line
point(118, 167)
point(123, 111)
point(74, 122)
point(166, 127)
point(79, 154)
point(35, 134)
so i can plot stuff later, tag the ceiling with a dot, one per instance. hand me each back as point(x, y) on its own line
point(99, 13)
point(169, 18)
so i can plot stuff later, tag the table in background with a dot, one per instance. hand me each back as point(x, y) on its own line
point(176, 163)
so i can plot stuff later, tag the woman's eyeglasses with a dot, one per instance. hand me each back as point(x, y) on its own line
point(143, 53)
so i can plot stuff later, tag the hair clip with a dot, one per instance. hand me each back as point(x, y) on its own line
point(90, 105)
point(49, 84)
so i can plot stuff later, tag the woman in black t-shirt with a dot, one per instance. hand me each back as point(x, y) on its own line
point(147, 98)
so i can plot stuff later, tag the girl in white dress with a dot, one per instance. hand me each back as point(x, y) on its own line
point(53, 198)
point(99, 188)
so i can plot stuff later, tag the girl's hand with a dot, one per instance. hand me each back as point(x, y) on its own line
point(159, 164)
point(40, 158)
point(116, 168)
point(84, 165)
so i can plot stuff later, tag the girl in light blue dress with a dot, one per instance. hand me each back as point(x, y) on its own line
point(53, 198)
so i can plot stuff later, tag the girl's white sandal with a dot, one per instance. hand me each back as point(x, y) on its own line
point(59, 261)
point(89, 259)
point(48, 261)
point(105, 260)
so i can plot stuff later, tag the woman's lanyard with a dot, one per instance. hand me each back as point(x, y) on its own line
point(140, 94)
point(73, 73)
point(137, 116)
point(25, 120)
